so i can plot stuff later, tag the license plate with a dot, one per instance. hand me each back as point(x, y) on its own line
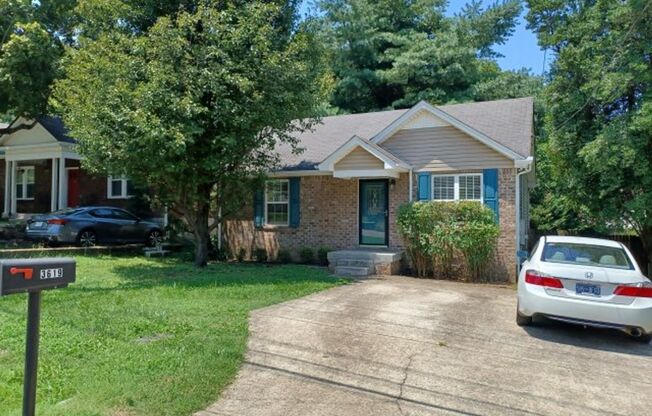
point(584, 289)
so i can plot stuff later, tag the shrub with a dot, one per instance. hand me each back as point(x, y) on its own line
point(322, 255)
point(284, 256)
point(307, 255)
point(435, 233)
point(260, 255)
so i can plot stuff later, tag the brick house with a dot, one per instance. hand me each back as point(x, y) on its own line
point(40, 172)
point(343, 190)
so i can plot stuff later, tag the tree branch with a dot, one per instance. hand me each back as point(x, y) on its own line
point(14, 129)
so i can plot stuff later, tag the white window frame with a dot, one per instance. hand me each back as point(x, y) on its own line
point(24, 182)
point(287, 224)
point(123, 187)
point(456, 187)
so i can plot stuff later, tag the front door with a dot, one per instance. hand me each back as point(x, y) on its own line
point(374, 204)
point(73, 188)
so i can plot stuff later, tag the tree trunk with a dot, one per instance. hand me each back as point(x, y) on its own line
point(202, 236)
point(646, 239)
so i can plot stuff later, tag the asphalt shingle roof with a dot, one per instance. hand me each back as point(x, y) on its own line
point(508, 122)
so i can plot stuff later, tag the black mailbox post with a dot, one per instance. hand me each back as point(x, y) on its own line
point(33, 276)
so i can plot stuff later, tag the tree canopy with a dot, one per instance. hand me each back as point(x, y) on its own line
point(598, 121)
point(194, 104)
point(394, 53)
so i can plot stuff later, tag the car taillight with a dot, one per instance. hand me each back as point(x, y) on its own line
point(537, 278)
point(639, 290)
point(57, 221)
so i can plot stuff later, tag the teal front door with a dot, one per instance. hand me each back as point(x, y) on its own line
point(374, 204)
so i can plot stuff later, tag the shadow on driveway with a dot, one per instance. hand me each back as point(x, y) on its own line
point(610, 340)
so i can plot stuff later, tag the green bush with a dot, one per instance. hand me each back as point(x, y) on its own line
point(322, 255)
point(284, 256)
point(307, 255)
point(436, 233)
point(260, 255)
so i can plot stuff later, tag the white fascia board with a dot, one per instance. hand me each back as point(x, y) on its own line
point(366, 173)
point(297, 173)
point(388, 131)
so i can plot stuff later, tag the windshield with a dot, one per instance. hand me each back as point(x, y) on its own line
point(586, 255)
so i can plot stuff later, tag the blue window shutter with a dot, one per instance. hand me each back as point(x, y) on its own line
point(490, 180)
point(295, 202)
point(259, 208)
point(424, 187)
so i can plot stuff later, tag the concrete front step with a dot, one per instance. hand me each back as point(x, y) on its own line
point(380, 261)
point(352, 271)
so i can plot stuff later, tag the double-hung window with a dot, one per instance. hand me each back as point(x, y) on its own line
point(25, 183)
point(119, 187)
point(463, 187)
point(277, 202)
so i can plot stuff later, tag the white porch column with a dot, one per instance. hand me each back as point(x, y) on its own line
point(5, 212)
point(63, 185)
point(53, 187)
point(12, 209)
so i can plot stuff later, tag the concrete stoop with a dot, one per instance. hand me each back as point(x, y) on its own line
point(365, 262)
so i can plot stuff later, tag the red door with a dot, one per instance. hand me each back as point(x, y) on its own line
point(73, 187)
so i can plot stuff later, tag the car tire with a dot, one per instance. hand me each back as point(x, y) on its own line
point(645, 338)
point(87, 238)
point(154, 238)
point(522, 320)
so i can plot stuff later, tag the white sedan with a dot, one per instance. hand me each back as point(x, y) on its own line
point(586, 281)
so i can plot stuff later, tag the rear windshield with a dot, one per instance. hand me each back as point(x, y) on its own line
point(587, 255)
point(68, 211)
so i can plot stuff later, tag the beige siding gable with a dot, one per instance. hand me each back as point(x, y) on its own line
point(445, 148)
point(36, 135)
point(359, 159)
point(424, 119)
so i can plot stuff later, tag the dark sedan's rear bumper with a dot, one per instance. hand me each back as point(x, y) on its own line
point(55, 234)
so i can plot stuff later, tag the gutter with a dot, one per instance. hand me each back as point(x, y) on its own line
point(523, 167)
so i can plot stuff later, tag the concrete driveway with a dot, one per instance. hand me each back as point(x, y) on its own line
point(403, 346)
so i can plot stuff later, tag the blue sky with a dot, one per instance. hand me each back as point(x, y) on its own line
point(520, 51)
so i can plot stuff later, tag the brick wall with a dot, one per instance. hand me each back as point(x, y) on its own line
point(329, 217)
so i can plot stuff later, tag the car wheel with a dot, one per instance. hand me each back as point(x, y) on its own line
point(522, 320)
point(645, 338)
point(87, 238)
point(154, 238)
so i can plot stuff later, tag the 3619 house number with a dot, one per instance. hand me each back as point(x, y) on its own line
point(51, 273)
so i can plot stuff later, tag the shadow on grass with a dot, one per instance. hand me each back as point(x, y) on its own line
point(176, 272)
point(591, 338)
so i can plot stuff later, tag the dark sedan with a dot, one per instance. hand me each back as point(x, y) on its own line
point(89, 226)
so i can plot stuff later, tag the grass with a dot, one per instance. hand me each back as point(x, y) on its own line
point(136, 336)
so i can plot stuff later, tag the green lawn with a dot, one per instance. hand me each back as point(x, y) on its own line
point(136, 336)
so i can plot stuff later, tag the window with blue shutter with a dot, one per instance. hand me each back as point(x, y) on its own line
point(295, 203)
point(423, 183)
point(490, 181)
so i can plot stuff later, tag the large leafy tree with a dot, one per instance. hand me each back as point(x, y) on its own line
point(32, 39)
point(393, 53)
point(599, 112)
point(195, 104)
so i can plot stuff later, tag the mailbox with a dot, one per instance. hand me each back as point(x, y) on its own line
point(32, 275)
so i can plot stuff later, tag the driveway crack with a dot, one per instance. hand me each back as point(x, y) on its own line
point(406, 370)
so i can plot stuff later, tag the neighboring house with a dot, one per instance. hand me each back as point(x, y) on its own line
point(344, 189)
point(40, 172)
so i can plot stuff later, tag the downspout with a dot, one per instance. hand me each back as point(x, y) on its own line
point(410, 181)
point(527, 168)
